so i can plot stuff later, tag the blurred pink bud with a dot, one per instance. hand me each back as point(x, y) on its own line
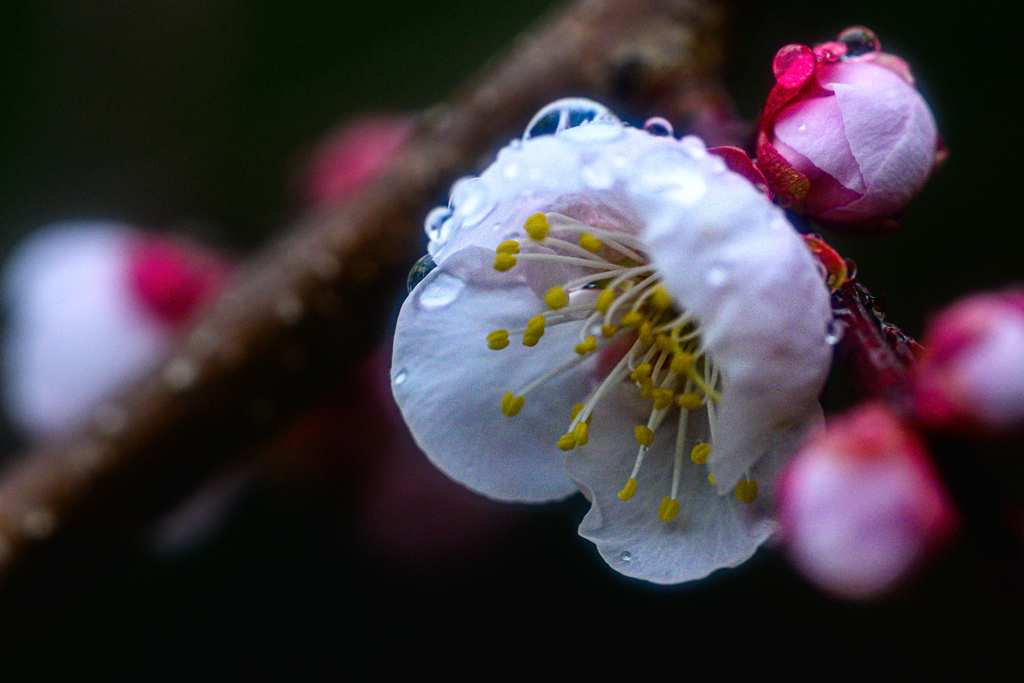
point(972, 375)
point(862, 506)
point(347, 160)
point(845, 137)
point(90, 307)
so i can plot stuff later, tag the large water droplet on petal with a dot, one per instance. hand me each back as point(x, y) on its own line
point(469, 200)
point(626, 556)
point(400, 376)
point(420, 270)
point(563, 114)
point(440, 291)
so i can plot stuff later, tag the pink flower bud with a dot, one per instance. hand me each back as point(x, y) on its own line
point(972, 376)
point(862, 506)
point(845, 137)
point(348, 159)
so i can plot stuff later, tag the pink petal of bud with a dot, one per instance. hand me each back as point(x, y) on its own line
point(862, 506)
point(171, 278)
point(867, 148)
point(972, 376)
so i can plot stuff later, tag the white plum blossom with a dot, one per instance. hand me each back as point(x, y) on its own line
point(613, 311)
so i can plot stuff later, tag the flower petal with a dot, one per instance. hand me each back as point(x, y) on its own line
point(814, 129)
point(734, 262)
point(710, 531)
point(450, 385)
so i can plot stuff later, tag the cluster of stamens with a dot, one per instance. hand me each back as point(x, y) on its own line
point(620, 305)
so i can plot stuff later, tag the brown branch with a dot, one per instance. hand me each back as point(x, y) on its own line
point(304, 310)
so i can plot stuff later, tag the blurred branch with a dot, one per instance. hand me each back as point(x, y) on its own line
point(304, 311)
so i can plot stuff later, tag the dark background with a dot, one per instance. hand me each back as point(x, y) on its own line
point(191, 115)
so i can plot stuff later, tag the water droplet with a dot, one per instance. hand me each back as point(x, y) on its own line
point(400, 377)
point(180, 374)
point(802, 127)
point(834, 332)
point(570, 112)
point(716, 276)
point(469, 199)
point(859, 40)
point(597, 176)
point(420, 270)
point(440, 291)
point(626, 556)
point(656, 125)
point(434, 223)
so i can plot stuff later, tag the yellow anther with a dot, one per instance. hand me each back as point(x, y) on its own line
point(631, 319)
point(576, 410)
point(644, 435)
point(628, 490)
point(666, 344)
point(662, 398)
point(536, 324)
point(586, 346)
point(604, 300)
point(567, 442)
point(503, 262)
point(691, 400)
point(646, 387)
point(531, 338)
point(590, 243)
point(537, 226)
point(641, 372)
point(556, 298)
point(746, 491)
point(682, 362)
point(579, 432)
point(497, 340)
point(668, 509)
point(508, 247)
point(511, 404)
point(699, 454)
point(608, 331)
point(711, 479)
point(646, 332)
point(660, 299)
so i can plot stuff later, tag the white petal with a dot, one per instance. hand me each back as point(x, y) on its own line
point(735, 263)
point(710, 532)
point(449, 385)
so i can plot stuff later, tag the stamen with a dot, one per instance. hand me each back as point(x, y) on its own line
point(504, 261)
point(556, 298)
point(668, 509)
point(746, 491)
point(508, 247)
point(628, 490)
point(591, 243)
point(511, 404)
point(497, 340)
point(699, 454)
point(586, 346)
point(537, 226)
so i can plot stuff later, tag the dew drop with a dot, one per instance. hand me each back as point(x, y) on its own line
point(802, 127)
point(597, 176)
point(626, 556)
point(716, 276)
point(441, 291)
point(834, 332)
point(469, 197)
point(560, 115)
point(400, 377)
point(419, 271)
point(434, 224)
point(859, 40)
point(656, 125)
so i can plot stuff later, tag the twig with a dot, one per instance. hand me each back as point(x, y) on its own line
point(304, 310)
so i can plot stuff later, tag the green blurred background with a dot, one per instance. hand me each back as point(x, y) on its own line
point(192, 114)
